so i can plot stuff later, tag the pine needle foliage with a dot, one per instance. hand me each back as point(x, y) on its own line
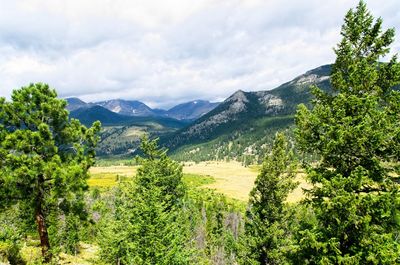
point(266, 239)
point(44, 157)
point(356, 132)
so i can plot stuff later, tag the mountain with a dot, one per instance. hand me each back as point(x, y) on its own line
point(190, 110)
point(240, 116)
point(185, 111)
point(89, 114)
point(120, 134)
point(75, 103)
point(128, 107)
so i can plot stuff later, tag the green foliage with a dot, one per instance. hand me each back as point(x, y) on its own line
point(265, 239)
point(10, 235)
point(244, 124)
point(156, 219)
point(356, 132)
point(246, 141)
point(151, 218)
point(44, 156)
point(194, 180)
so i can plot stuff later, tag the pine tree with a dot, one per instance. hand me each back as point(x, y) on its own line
point(152, 221)
point(265, 235)
point(356, 133)
point(44, 156)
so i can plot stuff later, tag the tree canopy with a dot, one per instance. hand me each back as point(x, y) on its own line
point(356, 133)
point(265, 235)
point(150, 217)
point(45, 156)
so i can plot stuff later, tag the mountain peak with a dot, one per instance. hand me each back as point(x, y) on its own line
point(238, 96)
point(74, 103)
point(191, 110)
point(242, 108)
point(127, 107)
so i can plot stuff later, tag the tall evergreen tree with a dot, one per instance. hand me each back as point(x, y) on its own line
point(356, 133)
point(44, 156)
point(265, 236)
point(151, 217)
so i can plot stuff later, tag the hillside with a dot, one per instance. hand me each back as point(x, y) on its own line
point(127, 107)
point(238, 128)
point(76, 103)
point(88, 115)
point(120, 134)
point(245, 121)
point(191, 110)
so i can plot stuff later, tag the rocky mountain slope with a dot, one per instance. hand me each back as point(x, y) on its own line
point(240, 127)
point(242, 110)
point(127, 107)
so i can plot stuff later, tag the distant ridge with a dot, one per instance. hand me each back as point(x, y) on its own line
point(89, 114)
point(127, 107)
point(75, 103)
point(191, 110)
point(188, 111)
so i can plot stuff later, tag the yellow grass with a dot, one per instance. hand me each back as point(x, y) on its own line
point(127, 171)
point(102, 180)
point(134, 132)
point(236, 181)
point(298, 193)
point(87, 255)
point(230, 178)
point(106, 177)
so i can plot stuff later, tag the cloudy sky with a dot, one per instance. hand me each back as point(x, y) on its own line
point(169, 51)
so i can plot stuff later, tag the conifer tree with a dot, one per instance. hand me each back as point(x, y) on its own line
point(356, 133)
point(265, 235)
point(44, 156)
point(151, 224)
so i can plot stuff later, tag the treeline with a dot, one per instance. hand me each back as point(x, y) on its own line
point(246, 144)
point(351, 215)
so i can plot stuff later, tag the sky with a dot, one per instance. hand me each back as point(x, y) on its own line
point(170, 51)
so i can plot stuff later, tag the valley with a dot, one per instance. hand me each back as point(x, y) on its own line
point(199, 133)
point(231, 179)
point(240, 128)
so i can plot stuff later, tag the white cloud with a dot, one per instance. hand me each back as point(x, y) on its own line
point(170, 51)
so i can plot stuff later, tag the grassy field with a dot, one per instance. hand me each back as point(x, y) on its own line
point(108, 176)
point(87, 255)
point(229, 178)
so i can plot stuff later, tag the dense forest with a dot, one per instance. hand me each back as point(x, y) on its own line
point(350, 215)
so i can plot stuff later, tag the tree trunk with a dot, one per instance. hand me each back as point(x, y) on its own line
point(44, 236)
point(41, 222)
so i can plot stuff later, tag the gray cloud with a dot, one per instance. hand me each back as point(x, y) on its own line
point(166, 52)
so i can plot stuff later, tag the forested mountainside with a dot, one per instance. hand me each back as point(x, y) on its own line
point(241, 126)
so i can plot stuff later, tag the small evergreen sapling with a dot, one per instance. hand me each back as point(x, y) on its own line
point(265, 235)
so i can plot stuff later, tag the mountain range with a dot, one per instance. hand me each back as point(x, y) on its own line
point(241, 127)
point(119, 110)
point(125, 121)
point(242, 109)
